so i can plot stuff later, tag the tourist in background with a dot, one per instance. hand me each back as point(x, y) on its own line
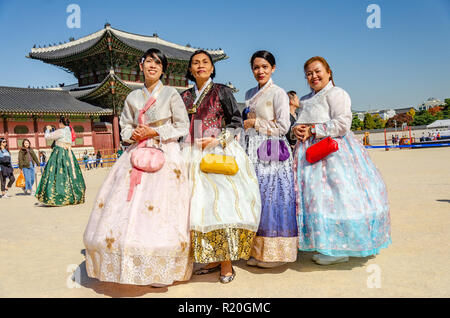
point(86, 160)
point(342, 202)
point(294, 105)
point(267, 124)
point(91, 161)
point(225, 209)
point(42, 160)
point(27, 159)
point(6, 168)
point(99, 160)
point(62, 182)
point(138, 231)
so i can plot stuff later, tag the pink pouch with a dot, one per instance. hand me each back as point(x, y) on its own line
point(149, 159)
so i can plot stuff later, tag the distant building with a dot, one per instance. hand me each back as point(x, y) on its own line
point(384, 114)
point(25, 112)
point(404, 110)
point(430, 103)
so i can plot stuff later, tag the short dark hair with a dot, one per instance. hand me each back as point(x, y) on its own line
point(65, 121)
point(291, 93)
point(155, 53)
point(265, 55)
point(189, 75)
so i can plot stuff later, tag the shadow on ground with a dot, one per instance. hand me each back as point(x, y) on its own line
point(304, 263)
point(115, 289)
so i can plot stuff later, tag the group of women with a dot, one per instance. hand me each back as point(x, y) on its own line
point(200, 184)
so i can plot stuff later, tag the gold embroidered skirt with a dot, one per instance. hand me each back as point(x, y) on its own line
point(221, 245)
point(224, 210)
point(275, 249)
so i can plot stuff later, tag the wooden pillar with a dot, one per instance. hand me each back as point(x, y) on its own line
point(5, 128)
point(93, 133)
point(116, 137)
point(36, 132)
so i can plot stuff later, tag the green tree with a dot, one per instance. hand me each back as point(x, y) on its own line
point(369, 123)
point(423, 119)
point(379, 122)
point(447, 102)
point(356, 123)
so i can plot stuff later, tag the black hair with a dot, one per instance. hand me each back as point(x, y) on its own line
point(1, 140)
point(265, 55)
point(291, 94)
point(189, 76)
point(23, 143)
point(159, 55)
point(64, 121)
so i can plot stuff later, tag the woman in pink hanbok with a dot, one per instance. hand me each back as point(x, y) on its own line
point(138, 231)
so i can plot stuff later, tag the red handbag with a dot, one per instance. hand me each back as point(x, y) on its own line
point(321, 149)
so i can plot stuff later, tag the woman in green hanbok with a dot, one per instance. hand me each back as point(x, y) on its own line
point(62, 182)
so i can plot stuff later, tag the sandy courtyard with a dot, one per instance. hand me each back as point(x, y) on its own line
point(41, 247)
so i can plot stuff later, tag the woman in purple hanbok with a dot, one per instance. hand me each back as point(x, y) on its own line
point(268, 120)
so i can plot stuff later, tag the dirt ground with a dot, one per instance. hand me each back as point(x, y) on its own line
point(41, 247)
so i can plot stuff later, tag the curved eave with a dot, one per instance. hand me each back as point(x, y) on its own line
point(93, 93)
point(135, 42)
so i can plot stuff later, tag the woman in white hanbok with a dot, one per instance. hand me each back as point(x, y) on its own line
point(225, 209)
point(138, 232)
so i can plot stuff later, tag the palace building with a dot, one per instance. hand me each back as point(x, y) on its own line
point(105, 65)
point(27, 111)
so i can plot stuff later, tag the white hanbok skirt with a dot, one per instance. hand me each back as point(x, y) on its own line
point(146, 240)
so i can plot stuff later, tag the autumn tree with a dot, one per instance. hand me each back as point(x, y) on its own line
point(399, 119)
point(411, 113)
point(434, 110)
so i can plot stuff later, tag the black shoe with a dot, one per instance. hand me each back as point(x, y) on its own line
point(227, 279)
point(203, 271)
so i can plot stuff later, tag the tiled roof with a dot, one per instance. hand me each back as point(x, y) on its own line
point(43, 101)
point(139, 42)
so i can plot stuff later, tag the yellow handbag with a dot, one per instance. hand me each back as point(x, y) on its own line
point(212, 163)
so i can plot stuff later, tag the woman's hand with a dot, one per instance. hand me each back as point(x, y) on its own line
point(48, 127)
point(143, 132)
point(302, 132)
point(249, 123)
point(209, 142)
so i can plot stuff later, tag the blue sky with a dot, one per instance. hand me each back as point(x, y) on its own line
point(398, 65)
